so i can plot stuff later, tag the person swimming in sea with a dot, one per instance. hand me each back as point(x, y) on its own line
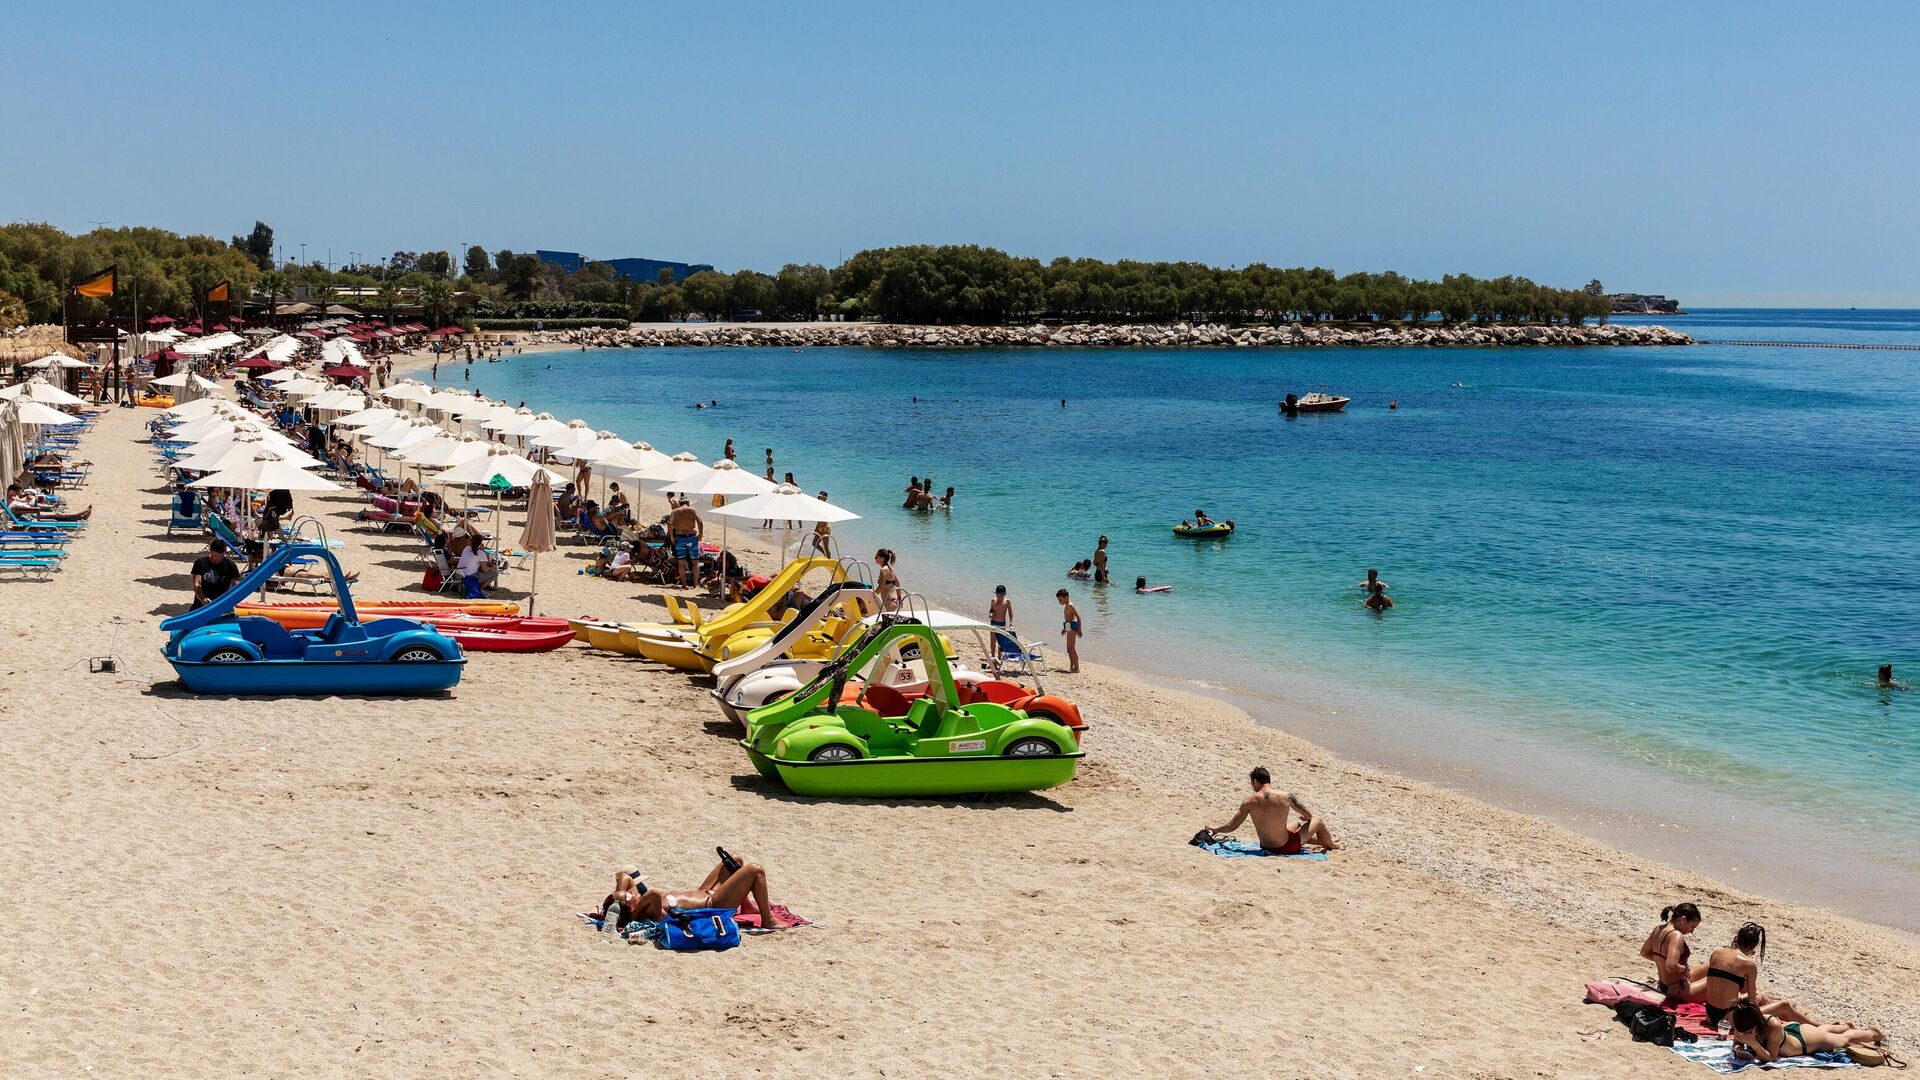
point(1082, 570)
point(1885, 680)
point(1373, 578)
point(1377, 599)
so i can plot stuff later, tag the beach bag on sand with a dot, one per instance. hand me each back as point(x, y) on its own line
point(432, 580)
point(1650, 1024)
point(1874, 1057)
point(699, 929)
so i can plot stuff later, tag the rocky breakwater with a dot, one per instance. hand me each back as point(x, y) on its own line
point(1176, 336)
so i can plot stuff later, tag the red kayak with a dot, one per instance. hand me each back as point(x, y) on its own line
point(475, 636)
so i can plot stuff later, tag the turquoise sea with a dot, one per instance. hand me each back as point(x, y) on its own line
point(1644, 579)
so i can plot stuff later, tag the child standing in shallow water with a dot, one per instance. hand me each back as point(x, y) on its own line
point(1070, 628)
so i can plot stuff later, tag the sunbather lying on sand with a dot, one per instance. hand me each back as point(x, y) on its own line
point(1271, 810)
point(1769, 1038)
point(723, 888)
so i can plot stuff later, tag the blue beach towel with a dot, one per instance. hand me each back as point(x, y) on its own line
point(1717, 1054)
point(1240, 849)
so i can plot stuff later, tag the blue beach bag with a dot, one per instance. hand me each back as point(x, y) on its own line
point(699, 929)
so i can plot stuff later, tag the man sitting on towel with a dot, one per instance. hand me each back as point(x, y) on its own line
point(1271, 810)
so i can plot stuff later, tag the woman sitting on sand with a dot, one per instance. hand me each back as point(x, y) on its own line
point(1666, 946)
point(1768, 1038)
point(1732, 972)
point(744, 888)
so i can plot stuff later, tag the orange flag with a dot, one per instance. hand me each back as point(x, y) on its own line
point(220, 291)
point(99, 286)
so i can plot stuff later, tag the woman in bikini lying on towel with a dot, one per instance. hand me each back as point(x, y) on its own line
point(726, 887)
point(1769, 1038)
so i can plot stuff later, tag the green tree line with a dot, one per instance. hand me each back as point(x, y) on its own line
point(913, 284)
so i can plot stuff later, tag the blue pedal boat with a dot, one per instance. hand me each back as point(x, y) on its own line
point(215, 652)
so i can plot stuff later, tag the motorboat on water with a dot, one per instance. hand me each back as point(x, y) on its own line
point(1315, 402)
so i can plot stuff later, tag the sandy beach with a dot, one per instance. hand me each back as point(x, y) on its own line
point(355, 886)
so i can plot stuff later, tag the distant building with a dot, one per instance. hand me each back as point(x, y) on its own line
point(630, 269)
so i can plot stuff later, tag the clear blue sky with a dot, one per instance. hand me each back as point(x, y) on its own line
point(1726, 153)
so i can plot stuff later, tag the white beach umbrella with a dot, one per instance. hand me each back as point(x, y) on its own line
point(340, 349)
point(266, 474)
point(32, 412)
point(540, 424)
point(498, 469)
point(41, 391)
point(513, 469)
point(303, 388)
point(212, 448)
point(444, 450)
point(785, 503)
point(57, 360)
point(241, 450)
point(279, 350)
point(206, 427)
point(666, 474)
point(672, 474)
point(727, 479)
point(475, 405)
point(284, 375)
point(407, 390)
point(594, 454)
point(194, 410)
point(604, 445)
point(172, 382)
point(367, 417)
point(446, 402)
point(399, 437)
point(338, 400)
point(381, 425)
point(573, 433)
point(500, 421)
point(638, 456)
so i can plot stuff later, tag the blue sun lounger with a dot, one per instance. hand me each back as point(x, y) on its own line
point(41, 526)
point(39, 568)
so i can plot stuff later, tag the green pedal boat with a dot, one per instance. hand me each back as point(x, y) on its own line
point(832, 737)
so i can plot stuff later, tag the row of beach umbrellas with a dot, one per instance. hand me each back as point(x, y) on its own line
point(462, 439)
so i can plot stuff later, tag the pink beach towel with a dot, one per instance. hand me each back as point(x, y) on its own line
point(751, 919)
point(1611, 992)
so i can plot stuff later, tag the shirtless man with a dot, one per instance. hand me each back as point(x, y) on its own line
point(1271, 811)
point(685, 527)
point(721, 889)
point(1373, 578)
